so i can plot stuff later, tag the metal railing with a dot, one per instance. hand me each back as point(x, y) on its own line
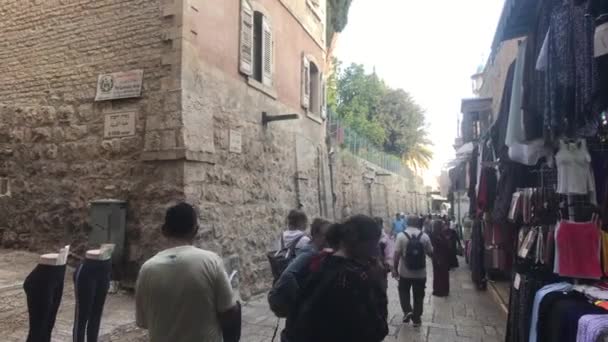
point(354, 142)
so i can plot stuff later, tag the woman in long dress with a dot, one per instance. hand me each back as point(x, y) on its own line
point(441, 260)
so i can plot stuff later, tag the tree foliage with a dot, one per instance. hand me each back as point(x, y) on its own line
point(337, 16)
point(389, 118)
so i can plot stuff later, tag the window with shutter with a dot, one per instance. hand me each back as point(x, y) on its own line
point(267, 52)
point(305, 82)
point(246, 48)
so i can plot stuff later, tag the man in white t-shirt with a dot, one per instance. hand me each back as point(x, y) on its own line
point(183, 293)
point(412, 281)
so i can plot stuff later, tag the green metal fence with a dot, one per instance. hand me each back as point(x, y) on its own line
point(352, 141)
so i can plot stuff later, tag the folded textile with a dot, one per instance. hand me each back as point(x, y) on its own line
point(592, 328)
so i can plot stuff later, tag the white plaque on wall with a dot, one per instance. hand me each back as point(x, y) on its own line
point(235, 141)
point(119, 125)
point(119, 85)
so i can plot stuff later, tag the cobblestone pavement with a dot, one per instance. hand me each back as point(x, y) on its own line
point(467, 315)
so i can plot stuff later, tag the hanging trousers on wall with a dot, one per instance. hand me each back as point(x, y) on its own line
point(44, 289)
point(91, 284)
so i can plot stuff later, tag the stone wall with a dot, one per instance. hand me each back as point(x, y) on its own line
point(364, 188)
point(244, 196)
point(194, 106)
point(52, 148)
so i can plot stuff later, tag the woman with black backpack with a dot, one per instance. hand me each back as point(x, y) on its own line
point(343, 300)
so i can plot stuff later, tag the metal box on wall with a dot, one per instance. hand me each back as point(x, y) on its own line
point(108, 220)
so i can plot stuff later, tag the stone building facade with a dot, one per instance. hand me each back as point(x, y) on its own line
point(210, 69)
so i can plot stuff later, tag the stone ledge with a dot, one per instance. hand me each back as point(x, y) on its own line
point(178, 154)
point(261, 87)
point(314, 117)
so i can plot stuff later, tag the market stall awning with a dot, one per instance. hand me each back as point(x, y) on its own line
point(516, 20)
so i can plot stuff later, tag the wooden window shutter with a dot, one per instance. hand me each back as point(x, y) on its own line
point(305, 82)
point(267, 52)
point(246, 48)
point(323, 98)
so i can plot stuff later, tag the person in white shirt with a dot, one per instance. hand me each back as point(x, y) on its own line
point(411, 248)
point(183, 293)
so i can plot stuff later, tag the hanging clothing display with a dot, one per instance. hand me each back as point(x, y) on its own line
point(540, 294)
point(478, 273)
point(534, 74)
point(604, 252)
point(521, 299)
point(529, 153)
point(550, 139)
point(44, 290)
point(91, 284)
point(571, 72)
point(499, 129)
point(515, 130)
point(578, 250)
point(568, 313)
point(592, 328)
point(600, 53)
point(575, 176)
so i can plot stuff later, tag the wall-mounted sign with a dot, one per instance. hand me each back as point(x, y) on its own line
point(119, 125)
point(119, 85)
point(235, 142)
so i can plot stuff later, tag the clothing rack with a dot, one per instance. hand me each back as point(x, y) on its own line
point(547, 176)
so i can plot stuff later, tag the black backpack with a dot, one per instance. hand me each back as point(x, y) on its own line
point(279, 260)
point(415, 256)
point(312, 301)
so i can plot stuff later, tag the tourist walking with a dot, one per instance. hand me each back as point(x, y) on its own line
point(343, 300)
point(386, 252)
point(411, 249)
point(441, 259)
point(285, 293)
point(183, 293)
point(295, 232)
point(398, 226)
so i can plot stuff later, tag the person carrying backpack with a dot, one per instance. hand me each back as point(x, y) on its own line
point(343, 299)
point(284, 294)
point(290, 244)
point(411, 249)
point(296, 231)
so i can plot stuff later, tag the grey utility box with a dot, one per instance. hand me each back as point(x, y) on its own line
point(108, 220)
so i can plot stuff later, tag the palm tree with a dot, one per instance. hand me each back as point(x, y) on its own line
point(419, 155)
point(419, 158)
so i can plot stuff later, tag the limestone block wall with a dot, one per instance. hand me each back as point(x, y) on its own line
point(52, 146)
point(194, 109)
point(244, 196)
point(364, 188)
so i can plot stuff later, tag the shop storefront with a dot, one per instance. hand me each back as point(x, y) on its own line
point(538, 185)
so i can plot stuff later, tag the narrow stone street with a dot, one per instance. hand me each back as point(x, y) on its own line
point(467, 315)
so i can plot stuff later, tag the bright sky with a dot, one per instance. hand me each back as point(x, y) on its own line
point(428, 48)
